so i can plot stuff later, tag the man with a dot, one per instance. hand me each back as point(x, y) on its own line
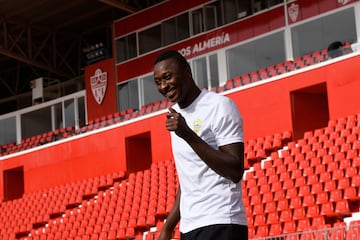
point(207, 142)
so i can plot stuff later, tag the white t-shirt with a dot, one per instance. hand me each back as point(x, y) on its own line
point(206, 197)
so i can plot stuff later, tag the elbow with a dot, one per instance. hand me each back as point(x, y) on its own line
point(236, 178)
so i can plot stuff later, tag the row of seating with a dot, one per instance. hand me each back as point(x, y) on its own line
point(261, 147)
point(288, 192)
point(340, 231)
point(34, 209)
point(124, 115)
point(93, 124)
point(36, 140)
point(303, 187)
point(112, 209)
point(278, 69)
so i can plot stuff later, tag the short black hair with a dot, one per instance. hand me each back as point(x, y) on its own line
point(168, 54)
point(335, 45)
point(334, 49)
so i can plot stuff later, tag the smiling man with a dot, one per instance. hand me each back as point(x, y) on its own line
point(207, 143)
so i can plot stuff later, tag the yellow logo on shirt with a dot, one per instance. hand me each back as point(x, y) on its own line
point(197, 125)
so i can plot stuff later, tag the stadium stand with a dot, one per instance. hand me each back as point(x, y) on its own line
point(291, 191)
point(289, 188)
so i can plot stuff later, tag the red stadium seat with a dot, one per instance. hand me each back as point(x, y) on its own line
point(343, 183)
point(282, 170)
point(342, 207)
point(272, 218)
point(354, 230)
point(308, 171)
point(351, 193)
point(245, 78)
point(276, 186)
point(262, 231)
point(288, 184)
point(259, 220)
point(355, 181)
point(319, 169)
point(275, 229)
point(336, 195)
point(289, 227)
point(325, 177)
point(279, 195)
point(322, 197)
point(285, 215)
point(318, 222)
point(299, 178)
point(264, 188)
point(356, 160)
point(273, 178)
point(316, 188)
point(300, 182)
point(291, 193)
point(339, 231)
point(251, 231)
point(351, 171)
point(312, 211)
point(312, 179)
point(295, 202)
point(308, 200)
point(255, 200)
point(338, 174)
point(327, 209)
point(267, 197)
point(299, 213)
point(258, 209)
point(303, 225)
point(270, 207)
point(237, 81)
point(330, 185)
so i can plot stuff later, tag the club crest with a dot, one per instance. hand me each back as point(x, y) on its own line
point(197, 125)
point(293, 11)
point(98, 85)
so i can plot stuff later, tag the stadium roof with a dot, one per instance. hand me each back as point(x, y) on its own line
point(45, 38)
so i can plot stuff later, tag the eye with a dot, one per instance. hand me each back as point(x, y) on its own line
point(157, 81)
point(167, 76)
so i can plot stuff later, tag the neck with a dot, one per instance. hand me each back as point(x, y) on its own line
point(191, 97)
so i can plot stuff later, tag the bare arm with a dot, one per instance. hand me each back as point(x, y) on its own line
point(172, 219)
point(228, 161)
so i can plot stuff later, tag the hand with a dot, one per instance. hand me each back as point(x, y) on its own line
point(175, 122)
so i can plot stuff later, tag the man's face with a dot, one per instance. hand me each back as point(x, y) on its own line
point(171, 80)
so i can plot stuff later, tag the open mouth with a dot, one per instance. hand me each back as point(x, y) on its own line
point(170, 94)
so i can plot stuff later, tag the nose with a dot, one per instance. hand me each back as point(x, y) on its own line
point(163, 84)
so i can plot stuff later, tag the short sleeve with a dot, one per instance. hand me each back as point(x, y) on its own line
point(228, 124)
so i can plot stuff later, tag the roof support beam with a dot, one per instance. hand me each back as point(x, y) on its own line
point(119, 5)
point(30, 62)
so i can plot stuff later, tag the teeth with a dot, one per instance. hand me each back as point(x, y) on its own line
point(170, 93)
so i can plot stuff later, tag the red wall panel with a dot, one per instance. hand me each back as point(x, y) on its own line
point(343, 87)
point(154, 14)
point(327, 5)
point(308, 8)
point(276, 18)
point(108, 104)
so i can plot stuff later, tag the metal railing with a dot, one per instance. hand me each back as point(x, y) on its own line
point(348, 232)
